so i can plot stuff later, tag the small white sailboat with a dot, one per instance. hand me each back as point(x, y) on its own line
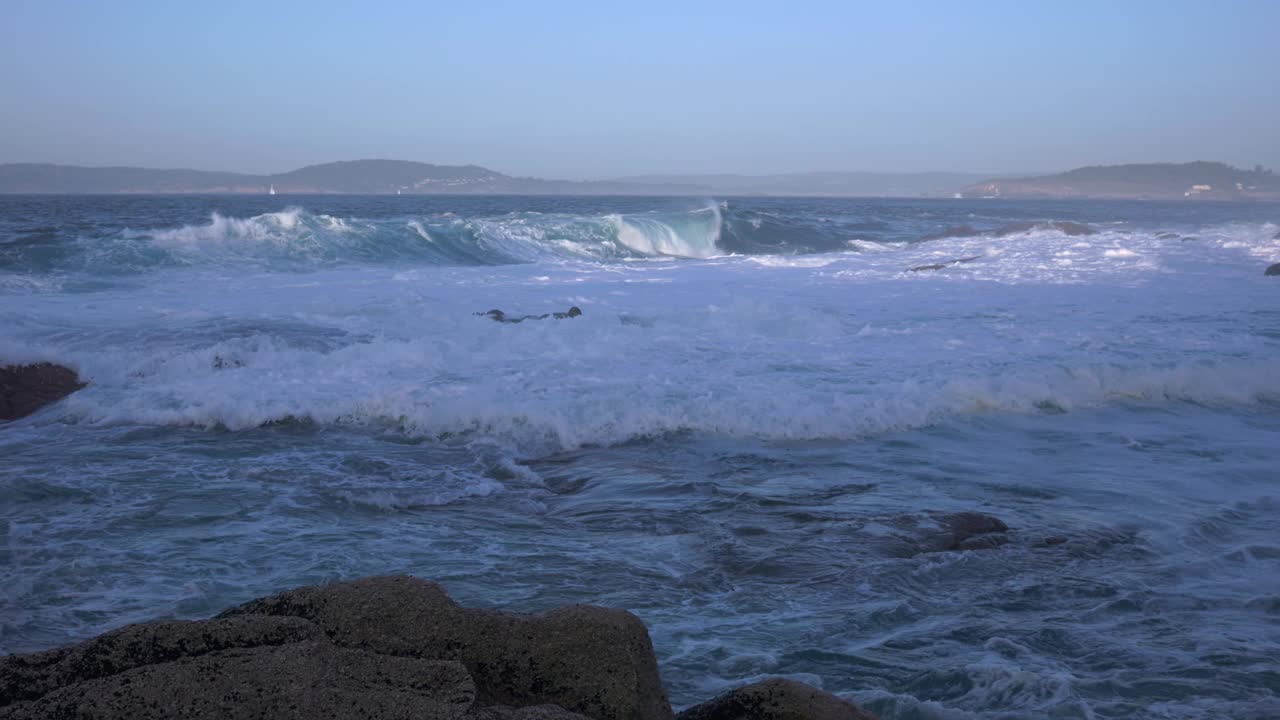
point(272, 191)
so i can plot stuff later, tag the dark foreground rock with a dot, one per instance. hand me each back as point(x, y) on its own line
point(378, 648)
point(300, 680)
point(25, 389)
point(776, 699)
point(27, 677)
point(591, 660)
point(1273, 270)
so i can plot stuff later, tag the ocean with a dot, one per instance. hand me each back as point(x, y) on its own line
point(750, 437)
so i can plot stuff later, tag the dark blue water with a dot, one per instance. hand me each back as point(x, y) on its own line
point(751, 437)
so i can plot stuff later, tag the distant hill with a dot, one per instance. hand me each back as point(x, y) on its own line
point(1193, 180)
point(374, 177)
point(39, 178)
point(844, 184)
point(381, 177)
point(1197, 180)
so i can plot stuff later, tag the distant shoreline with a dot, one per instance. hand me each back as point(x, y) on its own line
point(1196, 181)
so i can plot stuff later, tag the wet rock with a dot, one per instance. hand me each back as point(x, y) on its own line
point(969, 531)
point(957, 231)
point(25, 389)
point(941, 265)
point(299, 681)
point(221, 363)
point(776, 699)
point(26, 677)
point(910, 535)
point(1072, 229)
point(533, 712)
point(1273, 270)
point(499, 316)
point(590, 660)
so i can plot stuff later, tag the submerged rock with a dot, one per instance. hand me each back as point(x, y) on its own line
point(970, 531)
point(776, 699)
point(221, 363)
point(1062, 226)
point(910, 535)
point(941, 265)
point(1273, 270)
point(957, 231)
point(25, 389)
point(1072, 229)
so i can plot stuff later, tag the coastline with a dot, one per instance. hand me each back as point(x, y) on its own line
point(380, 647)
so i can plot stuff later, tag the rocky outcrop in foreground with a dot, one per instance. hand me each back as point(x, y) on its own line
point(1274, 269)
point(776, 699)
point(25, 389)
point(383, 647)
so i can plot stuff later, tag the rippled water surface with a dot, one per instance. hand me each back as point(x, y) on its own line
point(753, 437)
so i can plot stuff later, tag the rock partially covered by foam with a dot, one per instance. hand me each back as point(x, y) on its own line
point(500, 316)
point(25, 389)
point(776, 699)
point(1273, 270)
point(1071, 229)
point(944, 264)
point(591, 660)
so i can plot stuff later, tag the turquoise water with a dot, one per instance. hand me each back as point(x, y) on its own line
point(759, 412)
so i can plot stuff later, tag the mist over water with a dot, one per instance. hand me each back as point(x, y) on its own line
point(742, 439)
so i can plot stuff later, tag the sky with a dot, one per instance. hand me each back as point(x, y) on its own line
point(597, 89)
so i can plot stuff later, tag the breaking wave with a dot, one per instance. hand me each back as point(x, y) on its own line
point(245, 384)
point(295, 239)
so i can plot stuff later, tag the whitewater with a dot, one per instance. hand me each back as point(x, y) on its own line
point(739, 439)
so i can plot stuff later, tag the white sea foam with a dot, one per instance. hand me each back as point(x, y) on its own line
point(377, 425)
point(268, 227)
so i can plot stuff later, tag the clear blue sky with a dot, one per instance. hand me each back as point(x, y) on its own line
point(595, 89)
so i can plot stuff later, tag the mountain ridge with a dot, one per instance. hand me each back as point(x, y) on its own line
point(1197, 180)
point(370, 176)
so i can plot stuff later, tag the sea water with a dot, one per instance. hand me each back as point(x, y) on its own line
point(735, 440)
